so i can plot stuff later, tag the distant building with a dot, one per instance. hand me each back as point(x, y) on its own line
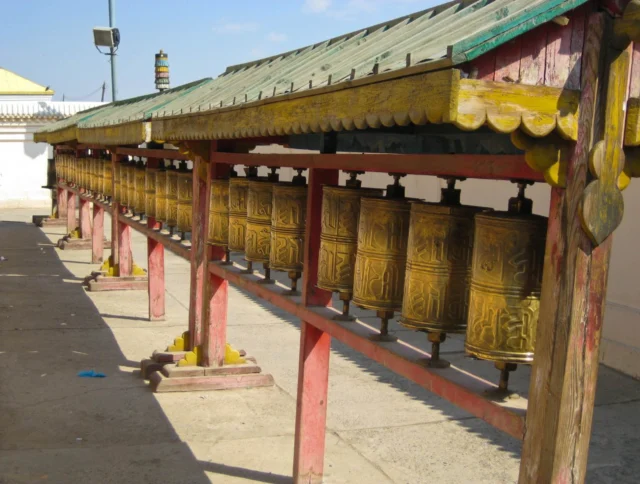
point(24, 107)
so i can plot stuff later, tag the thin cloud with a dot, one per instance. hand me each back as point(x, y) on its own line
point(317, 6)
point(235, 28)
point(276, 37)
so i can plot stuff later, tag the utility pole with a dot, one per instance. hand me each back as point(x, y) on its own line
point(112, 21)
point(104, 88)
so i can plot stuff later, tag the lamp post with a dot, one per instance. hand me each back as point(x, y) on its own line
point(112, 21)
point(109, 37)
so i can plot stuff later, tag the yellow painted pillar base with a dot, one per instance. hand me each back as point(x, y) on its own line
point(194, 357)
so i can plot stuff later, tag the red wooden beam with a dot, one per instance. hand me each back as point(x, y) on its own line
point(453, 384)
point(495, 167)
point(152, 153)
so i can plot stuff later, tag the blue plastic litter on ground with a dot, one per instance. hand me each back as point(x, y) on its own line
point(91, 374)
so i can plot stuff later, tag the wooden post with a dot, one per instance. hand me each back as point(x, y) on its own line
point(215, 289)
point(71, 211)
point(62, 202)
point(315, 346)
point(97, 235)
point(155, 265)
point(563, 380)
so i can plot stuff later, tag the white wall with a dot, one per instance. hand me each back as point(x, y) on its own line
point(620, 347)
point(23, 167)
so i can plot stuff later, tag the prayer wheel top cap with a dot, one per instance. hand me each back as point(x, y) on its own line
point(440, 208)
point(509, 218)
point(239, 180)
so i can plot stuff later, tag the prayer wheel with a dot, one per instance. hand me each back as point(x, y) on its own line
point(383, 232)
point(506, 279)
point(161, 194)
point(259, 207)
point(140, 189)
point(438, 271)
point(81, 174)
point(288, 217)
point(107, 176)
point(339, 238)
point(71, 170)
point(219, 214)
point(131, 185)
point(185, 199)
point(89, 183)
point(238, 193)
point(150, 191)
point(99, 177)
point(117, 184)
point(172, 197)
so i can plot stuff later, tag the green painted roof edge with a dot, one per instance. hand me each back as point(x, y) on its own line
point(187, 89)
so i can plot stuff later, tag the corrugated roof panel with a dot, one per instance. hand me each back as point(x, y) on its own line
point(42, 109)
point(442, 36)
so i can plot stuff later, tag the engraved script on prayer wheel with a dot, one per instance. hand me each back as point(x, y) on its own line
point(161, 195)
point(383, 231)
point(506, 278)
point(259, 205)
point(172, 197)
point(219, 213)
point(436, 288)
point(288, 219)
point(238, 188)
point(339, 236)
point(107, 175)
point(150, 192)
point(185, 200)
point(140, 177)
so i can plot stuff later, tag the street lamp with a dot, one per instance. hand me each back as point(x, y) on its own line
point(109, 37)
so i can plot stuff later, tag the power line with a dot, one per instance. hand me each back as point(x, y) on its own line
point(82, 98)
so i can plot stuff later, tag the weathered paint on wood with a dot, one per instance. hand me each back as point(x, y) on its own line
point(125, 257)
point(97, 235)
point(155, 265)
point(311, 406)
point(558, 55)
point(533, 60)
point(562, 388)
point(215, 329)
point(62, 196)
point(577, 23)
point(160, 383)
point(508, 61)
point(85, 218)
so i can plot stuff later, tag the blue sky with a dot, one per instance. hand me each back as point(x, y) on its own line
point(51, 42)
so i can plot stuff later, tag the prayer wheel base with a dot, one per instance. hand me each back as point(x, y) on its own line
point(249, 269)
point(384, 336)
point(345, 297)
point(267, 275)
point(294, 276)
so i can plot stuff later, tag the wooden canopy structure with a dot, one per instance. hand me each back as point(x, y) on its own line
point(535, 90)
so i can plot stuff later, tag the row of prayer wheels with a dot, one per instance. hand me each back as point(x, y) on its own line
point(93, 174)
point(445, 267)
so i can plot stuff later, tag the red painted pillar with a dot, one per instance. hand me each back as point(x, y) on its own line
point(85, 219)
point(315, 346)
point(215, 315)
point(97, 235)
point(62, 202)
point(155, 265)
point(71, 211)
point(125, 259)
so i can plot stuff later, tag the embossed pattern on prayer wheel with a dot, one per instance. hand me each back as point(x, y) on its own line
point(506, 278)
point(150, 192)
point(185, 200)
point(288, 217)
point(383, 233)
point(131, 185)
point(122, 190)
point(107, 176)
point(161, 195)
point(172, 197)
point(259, 205)
point(438, 271)
point(219, 213)
point(238, 188)
point(339, 236)
point(140, 190)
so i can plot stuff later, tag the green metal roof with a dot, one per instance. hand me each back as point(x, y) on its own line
point(440, 37)
point(71, 120)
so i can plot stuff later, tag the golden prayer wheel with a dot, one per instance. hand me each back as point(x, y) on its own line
point(383, 232)
point(126, 180)
point(117, 185)
point(288, 218)
point(140, 188)
point(185, 199)
point(506, 279)
point(161, 194)
point(80, 173)
point(172, 197)
point(219, 213)
point(438, 271)
point(99, 177)
point(258, 231)
point(150, 191)
point(91, 174)
point(238, 188)
point(59, 167)
point(107, 176)
point(339, 239)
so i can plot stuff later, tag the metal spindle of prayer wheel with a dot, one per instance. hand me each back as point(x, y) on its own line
point(150, 191)
point(438, 271)
point(140, 189)
point(259, 206)
point(506, 279)
point(185, 199)
point(161, 193)
point(339, 238)
point(381, 257)
point(219, 216)
point(172, 198)
point(288, 217)
point(107, 176)
point(238, 188)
